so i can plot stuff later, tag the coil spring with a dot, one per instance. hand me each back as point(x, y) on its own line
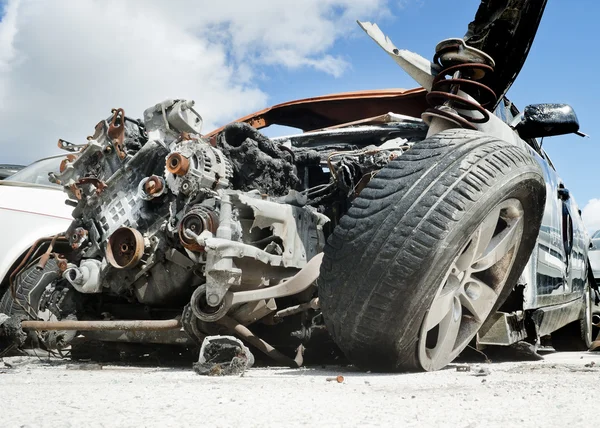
point(464, 76)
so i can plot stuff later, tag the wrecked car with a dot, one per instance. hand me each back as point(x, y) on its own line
point(31, 210)
point(404, 225)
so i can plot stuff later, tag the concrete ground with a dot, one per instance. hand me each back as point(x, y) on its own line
point(558, 391)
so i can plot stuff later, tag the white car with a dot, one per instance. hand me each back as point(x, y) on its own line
point(30, 208)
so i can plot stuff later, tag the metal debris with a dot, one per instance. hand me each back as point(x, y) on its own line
point(11, 334)
point(338, 379)
point(223, 355)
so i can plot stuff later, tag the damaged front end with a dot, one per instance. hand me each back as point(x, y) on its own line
point(212, 233)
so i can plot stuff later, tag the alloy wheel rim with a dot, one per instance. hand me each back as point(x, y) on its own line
point(471, 286)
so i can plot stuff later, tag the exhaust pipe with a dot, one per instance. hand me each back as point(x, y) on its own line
point(124, 325)
point(596, 320)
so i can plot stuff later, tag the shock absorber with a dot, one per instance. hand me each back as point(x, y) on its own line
point(457, 97)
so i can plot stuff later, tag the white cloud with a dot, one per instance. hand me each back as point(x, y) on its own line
point(591, 215)
point(64, 65)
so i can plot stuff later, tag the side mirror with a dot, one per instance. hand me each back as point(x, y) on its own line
point(546, 120)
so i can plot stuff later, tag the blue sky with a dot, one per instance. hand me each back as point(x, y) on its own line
point(560, 68)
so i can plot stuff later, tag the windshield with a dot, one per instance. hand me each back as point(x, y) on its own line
point(596, 235)
point(37, 172)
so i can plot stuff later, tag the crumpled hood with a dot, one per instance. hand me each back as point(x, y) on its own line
point(505, 30)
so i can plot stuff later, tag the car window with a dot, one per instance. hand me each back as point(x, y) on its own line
point(500, 112)
point(37, 172)
point(596, 235)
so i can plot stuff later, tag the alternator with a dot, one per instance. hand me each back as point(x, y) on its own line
point(193, 165)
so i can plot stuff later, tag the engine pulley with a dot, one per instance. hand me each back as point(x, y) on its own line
point(194, 165)
point(125, 248)
point(198, 219)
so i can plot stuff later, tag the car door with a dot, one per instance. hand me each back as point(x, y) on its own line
point(579, 246)
point(560, 254)
point(545, 275)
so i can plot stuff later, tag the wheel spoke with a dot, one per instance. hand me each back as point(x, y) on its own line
point(500, 245)
point(481, 239)
point(486, 232)
point(466, 258)
point(448, 332)
point(443, 303)
point(478, 298)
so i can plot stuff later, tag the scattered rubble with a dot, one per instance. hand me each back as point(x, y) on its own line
point(481, 372)
point(4, 366)
point(223, 355)
point(11, 334)
point(84, 366)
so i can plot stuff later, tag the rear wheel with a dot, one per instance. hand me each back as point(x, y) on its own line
point(578, 335)
point(431, 247)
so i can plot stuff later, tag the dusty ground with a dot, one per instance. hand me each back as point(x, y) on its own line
point(558, 391)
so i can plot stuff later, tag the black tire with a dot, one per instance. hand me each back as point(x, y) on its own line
point(578, 335)
point(29, 287)
point(388, 256)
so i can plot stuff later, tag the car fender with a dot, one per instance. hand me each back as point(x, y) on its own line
point(26, 215)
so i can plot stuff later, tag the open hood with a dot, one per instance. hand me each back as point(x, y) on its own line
point(505, 29)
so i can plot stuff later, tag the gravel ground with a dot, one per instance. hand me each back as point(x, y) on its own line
point(557, 391)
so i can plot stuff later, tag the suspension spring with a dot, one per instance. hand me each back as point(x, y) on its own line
point(461, 69)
